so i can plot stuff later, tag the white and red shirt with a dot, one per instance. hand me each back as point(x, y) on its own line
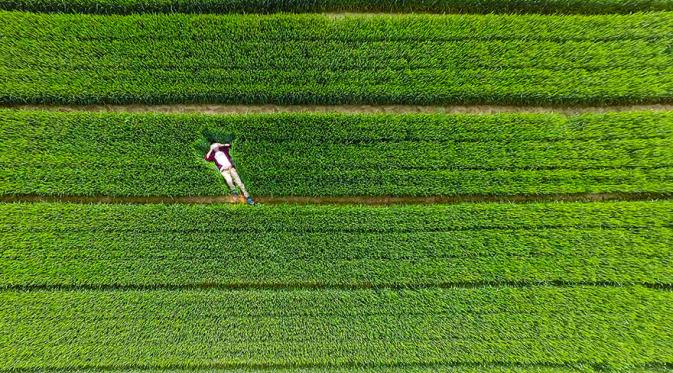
point(219, 154)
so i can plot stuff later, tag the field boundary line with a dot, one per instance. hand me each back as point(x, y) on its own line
point(322, 287)
point(195, 367)
point(347, 200)
point(214, 109)
point(279, 366)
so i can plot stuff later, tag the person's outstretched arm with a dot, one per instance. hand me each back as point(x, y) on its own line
point(210, 156)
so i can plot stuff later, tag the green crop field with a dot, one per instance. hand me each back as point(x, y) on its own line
point(338, 155)
point(510, 239)
point(319, 246)
point(318, 59)
point(193, 328)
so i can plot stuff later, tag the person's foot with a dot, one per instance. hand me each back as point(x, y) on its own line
point(250, 201)
point(235, 194)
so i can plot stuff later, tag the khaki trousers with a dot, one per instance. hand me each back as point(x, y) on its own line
point(233, 180)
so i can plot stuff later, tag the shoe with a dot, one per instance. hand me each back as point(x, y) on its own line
point(234, 194)
point(250, 201)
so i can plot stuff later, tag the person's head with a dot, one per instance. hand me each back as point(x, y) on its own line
point(211, 139)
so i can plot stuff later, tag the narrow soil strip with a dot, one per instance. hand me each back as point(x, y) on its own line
point(354, 200)
point(316, 286)
point(319, 367)
point(352, 109)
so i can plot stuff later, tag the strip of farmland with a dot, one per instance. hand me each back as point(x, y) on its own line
point(214, 109)
point(53, 244)
point(322, 155)
point(616, 327)
point(317, 59)
point(317, 6)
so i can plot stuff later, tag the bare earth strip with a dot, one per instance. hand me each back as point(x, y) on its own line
point(354, 109)
point(356, 200)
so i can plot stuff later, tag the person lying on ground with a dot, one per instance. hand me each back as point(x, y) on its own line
point(219, 153)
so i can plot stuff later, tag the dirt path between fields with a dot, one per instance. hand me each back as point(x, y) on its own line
point(355, 200)
point(353, 109)
point(317, 286)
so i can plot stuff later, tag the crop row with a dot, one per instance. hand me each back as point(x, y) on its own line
point(265, 6)
point(309, 59)
point(395, 55)
point(48, 153)
point(113, 245)
point(354, 28)
point(618, 327)
point(395, 368)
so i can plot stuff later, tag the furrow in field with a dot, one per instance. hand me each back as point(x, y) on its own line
point(337, 8)
point(496, 367)
point(346, 109)
point(323, 287)
point(354, 200)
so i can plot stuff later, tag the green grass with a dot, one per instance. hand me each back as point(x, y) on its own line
point(49, 153)
point(500, 287)
point(54, 244)
point(265, 6)
point(318, 59)
point(411, 368)
point(434, 367)
point(610, 327)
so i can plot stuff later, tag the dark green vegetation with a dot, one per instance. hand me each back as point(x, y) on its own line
point(471, 287)
point(413, 368)
point(270, 6)
point(49, 153)
point(47, 244)
point(545, 287)
point(581, 325)
point(318, 59)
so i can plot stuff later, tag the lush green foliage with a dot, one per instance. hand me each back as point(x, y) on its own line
point(48, 153)
point(606, 326)
point(393, 368)
point(544, 287)
point(266, 6)
point(305, 59)
point(149, 245)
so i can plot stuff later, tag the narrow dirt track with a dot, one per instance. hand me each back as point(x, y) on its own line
point(355, 200)
point(350, 109)
point(316, 286)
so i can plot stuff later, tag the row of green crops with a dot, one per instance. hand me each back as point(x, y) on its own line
point(394, 368)
point(308, 59)
point(54, 244)
point(50, 153)
point(271, 6)
point(611, 327)
point(474, 367)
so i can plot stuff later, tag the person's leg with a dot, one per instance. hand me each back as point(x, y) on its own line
point(238, 182)
point(228, 178)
